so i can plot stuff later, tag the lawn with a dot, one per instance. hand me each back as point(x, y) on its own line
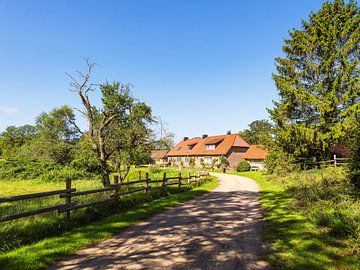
point(16, 233)
point(312, 221)
point(43, 253)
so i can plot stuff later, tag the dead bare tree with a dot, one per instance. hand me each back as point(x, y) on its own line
point(98, 122)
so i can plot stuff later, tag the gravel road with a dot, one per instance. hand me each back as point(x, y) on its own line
point(218, 230)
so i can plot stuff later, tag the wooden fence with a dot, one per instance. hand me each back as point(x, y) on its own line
point(335, 162)
point(68, 193)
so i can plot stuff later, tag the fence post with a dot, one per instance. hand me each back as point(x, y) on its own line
point(164, 182)
point(147, 183)
point(189, 179)
point(139, 175)
point(116, 189)
point(68, 201)
point(335, 161)
point(179, 179)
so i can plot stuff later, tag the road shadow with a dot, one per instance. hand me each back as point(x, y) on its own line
point(219, 230)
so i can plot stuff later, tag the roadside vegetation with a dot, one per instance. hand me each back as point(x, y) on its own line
point(42, 253)
point(312, 219)
point(16, 233)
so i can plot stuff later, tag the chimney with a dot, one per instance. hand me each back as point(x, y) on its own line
point(204, 136)
point(228, 132)
point(186, 138)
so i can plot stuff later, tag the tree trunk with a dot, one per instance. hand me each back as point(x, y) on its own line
point(105, 173)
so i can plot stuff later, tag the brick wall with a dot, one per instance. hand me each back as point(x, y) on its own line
point(235, 156)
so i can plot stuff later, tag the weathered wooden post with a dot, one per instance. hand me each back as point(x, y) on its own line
point(179, 179)
point(147, 181)
point(189, 179)
point(164, 182)
point(139, 175)
point(116, 188)
point(68, 201)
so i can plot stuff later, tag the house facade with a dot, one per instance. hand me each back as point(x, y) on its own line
point(206, 151)
point(256, 155)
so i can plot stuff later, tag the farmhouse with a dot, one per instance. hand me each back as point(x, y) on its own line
point(207, 150)
point(159, 157)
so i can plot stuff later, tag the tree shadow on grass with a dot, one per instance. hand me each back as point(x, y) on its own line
point(297, 243)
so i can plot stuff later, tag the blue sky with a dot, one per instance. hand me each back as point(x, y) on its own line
point(203, 66)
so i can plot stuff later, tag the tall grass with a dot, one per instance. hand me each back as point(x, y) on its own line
point(16, 233)
point(312, 219)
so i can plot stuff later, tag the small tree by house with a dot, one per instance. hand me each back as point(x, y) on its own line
point(192, 162)
point(224, 162)
point(202, 163)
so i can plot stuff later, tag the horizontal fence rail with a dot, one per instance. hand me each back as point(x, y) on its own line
point(115, 195)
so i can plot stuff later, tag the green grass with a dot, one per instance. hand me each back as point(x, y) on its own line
point(24, 231)
point(43, 253)
point(312, 222)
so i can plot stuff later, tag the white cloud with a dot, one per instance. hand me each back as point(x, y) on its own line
point(8, 110)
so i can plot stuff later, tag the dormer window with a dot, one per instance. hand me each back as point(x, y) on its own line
point(210, 147)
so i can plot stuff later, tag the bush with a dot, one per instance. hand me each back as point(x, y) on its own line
point(243, 166)
point(26, 168)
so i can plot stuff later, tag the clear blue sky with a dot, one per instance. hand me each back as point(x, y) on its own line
point(203, 66)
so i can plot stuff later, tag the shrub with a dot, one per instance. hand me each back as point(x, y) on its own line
point(26, 168)
point(243, 166)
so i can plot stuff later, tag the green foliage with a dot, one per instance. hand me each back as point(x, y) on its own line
point(318, 83)
point(26, 168)
point(224, 162)
point(192, 162)
point(279, 162)
point(312, 221)
point(243, 166)
point(354, 162)
point(58, 125)
point(259, 132)
point(85, 159)
point(14, 137)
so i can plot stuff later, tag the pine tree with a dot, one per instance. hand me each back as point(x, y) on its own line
point(318, 82)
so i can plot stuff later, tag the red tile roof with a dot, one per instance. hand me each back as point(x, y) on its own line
point(255, 151)
point(223, 142)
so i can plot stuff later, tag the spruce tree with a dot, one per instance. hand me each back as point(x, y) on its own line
point(318, 82)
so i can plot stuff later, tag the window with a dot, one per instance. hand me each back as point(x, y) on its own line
point(208, 160)
point(210, 147)
point(178, 159)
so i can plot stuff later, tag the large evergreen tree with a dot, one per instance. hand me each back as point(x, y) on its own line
point(318, 82)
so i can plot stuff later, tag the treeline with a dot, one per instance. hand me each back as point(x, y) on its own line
point(118, 135)
point(318, 82)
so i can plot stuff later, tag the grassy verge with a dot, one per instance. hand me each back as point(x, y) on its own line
point(311, 220)
point(42, 253)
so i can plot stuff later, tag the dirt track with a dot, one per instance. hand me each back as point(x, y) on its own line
point(219, 230)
